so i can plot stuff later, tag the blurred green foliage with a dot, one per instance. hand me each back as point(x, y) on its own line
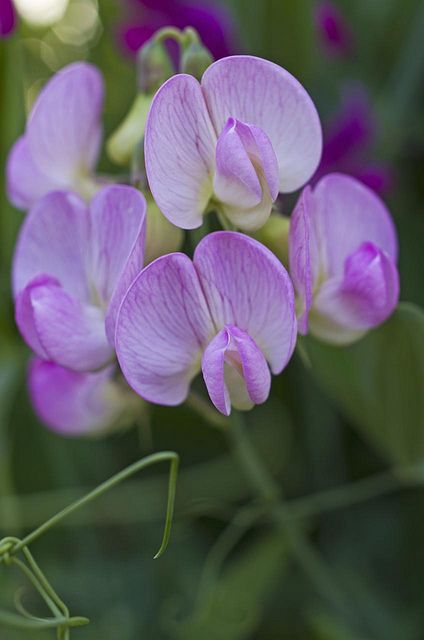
point(335, 415)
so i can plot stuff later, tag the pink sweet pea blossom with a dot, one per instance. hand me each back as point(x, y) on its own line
point(343, 251)
point(72, 267)
point(61, 143)
point(245, 133)
point(229, 312)
point(74, 403)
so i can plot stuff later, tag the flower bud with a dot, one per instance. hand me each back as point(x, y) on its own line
point(124, 139)
point(154, 66)
point(162, 236)
point(195, 59)
point(275, 235)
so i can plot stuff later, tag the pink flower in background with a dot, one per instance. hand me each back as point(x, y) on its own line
point(343, 253)
point(229, 312)
point(74, 403)
point(61, 144)
point(333, 30)
point(348, 139)
point(7, 18)
point(245, 133)
point(71, 268)
point(213, 23)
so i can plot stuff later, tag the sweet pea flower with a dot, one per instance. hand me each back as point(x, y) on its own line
point(74, 404)
point(61, 143)
point(343, 251)
point(71, 268)
point(229, 312)
point(234, 141)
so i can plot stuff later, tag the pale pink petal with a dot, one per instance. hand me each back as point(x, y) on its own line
point(60, 328)
point(64, 129)
point(213, 363)
point(261, 93)
point(162, 327)
point(235, 371)
point(73, 403)
point(242, 152)
point(246, 285)
point(180, 151)
point(346, 214)
point(53, 240)
point(365, 297)
point(117, 236)
point(26, 183)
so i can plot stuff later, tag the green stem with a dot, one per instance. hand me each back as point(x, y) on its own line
point(265, 487)
point(18, 622)
point(164, 456)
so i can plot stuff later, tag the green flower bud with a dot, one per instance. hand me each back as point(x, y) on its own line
point(195, 59)
point(121, 144)
point(162, 236)
point(275, 235)
point(154, 65)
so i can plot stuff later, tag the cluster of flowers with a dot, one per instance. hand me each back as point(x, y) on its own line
point(232, 142)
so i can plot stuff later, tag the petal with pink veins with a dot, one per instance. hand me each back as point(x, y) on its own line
point(162, 327)
point(179, 151)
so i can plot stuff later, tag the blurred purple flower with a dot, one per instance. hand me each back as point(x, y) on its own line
point(333, 30)
point(348, 138)
point(343, 254)
point(214, 24)
point(229, 313)
point(7, 18)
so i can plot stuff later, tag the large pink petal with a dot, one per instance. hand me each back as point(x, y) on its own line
point(261, 93)
point(59, 328)
point(54, 240)
point(247, 286)
point(235, 371)
point(179, 150)
point(117, 217)
point(162, 328)
point(346, 214)
point(64, 128)
point(72, 403)
point(26, 183)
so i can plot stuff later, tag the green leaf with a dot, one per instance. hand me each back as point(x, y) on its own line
point(379, 383)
